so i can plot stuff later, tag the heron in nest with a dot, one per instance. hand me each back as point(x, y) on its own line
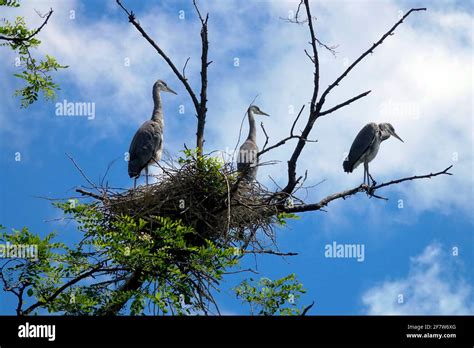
point(247, 161)
point(147, 144)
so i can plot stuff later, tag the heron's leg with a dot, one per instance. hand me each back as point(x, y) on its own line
point(366, 171)
point(370, 176)
point(134, 182)
point(146, 175)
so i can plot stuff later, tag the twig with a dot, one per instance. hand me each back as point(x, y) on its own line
point(347, 102)
point(307, 309)
point(271, 252)
point(81, 171)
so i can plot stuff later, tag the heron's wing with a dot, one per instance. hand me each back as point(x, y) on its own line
point(361, 144)
point(247, 154)
point(145, 143)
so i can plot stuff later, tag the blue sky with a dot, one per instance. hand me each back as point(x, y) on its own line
point(421, 82)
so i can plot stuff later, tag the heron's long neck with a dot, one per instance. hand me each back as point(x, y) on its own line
point(157, 109)
point(252, 130)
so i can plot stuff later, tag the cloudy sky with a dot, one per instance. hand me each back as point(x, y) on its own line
point(418, 244)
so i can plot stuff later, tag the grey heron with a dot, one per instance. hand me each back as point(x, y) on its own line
point(366, 145)
point(247, 160)
point(147, 144)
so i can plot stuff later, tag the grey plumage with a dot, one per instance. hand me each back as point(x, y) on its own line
point(366, 146)
point(247, 162)
point(147, 143)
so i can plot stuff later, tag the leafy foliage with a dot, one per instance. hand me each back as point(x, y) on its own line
point(36, 73)
point(271, 297)
point(85, 278)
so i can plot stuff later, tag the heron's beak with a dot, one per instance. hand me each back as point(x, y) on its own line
point(263, 113)
point(396, 136)
point(170, 90)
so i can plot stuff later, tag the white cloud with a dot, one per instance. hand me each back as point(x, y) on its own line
point(430, 288)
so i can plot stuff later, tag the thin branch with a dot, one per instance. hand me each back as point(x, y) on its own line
point(427, 176)
point(266, 136)
point(365, 54)
point(204, 64)
point(61, 289)
point(296, 120)
point(19, 39)
point(313, 112)
point(90, 194)
point(271, 252)
point(347, 102)
point(81, 171)
point(184, 67)
point(361, 188)
point(284, 140)
point(315, 57)
point(184, 81)
point(307, 309)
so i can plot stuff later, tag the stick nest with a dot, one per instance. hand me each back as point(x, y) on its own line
point(207, 195)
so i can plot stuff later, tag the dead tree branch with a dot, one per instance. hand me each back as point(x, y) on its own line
point(347, 102)
point(370, 190)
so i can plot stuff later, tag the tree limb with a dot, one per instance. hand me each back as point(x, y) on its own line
point(347, 102)
point(313, 113)
point(204, 64)
point(361, 188)
point(61, 289)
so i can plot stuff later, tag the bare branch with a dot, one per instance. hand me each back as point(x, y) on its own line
point(284, 140)
point(347, 102)
point(81, 171)
point(313, 113)
point(315, 57)
point(427, 176)
point(307, 309)
point(266, 136)
point(271, 252)
point(184, 67)
point(90, 194)
point(204, 64)
point(361, 188)
point(365, 54)
point(184, 81)
point(331, 49)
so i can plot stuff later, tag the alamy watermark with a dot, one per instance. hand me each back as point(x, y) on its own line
point(22, 251)
point(400, 109)
point(81, 109)
point(345, 251)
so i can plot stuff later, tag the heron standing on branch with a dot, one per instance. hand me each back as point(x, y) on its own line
point(147, 144)
point(366, 145)
point(247, 161)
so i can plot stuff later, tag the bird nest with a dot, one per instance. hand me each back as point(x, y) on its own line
point(207, 195)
